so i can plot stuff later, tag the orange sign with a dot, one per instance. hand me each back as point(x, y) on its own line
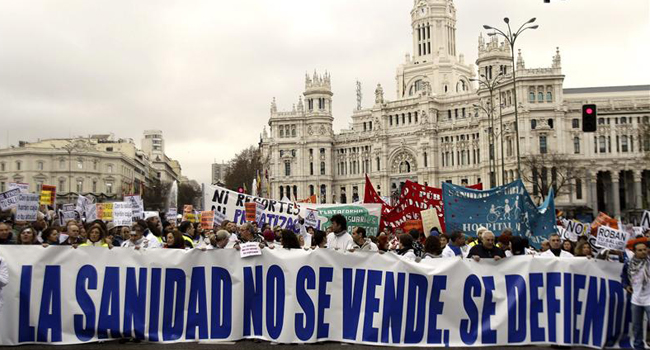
point(251, 211)
point(412, 224)
point(207, 220)
point(603, 220)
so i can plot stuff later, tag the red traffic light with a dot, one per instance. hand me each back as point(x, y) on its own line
point(589, 111)
point(240, 190)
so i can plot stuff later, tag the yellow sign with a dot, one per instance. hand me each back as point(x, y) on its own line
point(46, 197)
point(105, 211)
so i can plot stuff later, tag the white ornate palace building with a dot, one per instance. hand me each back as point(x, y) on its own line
point(433, 132)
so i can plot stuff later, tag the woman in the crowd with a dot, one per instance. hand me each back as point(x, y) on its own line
point(175, 240)
point(187, 229)
point(319, 240)
point(444, 240)
point(568, 246)
point(27, 236)
point(97, 237)
point(290, 240)
point(406, 247)
point(583, 249)
point(432, 248)
point(50, 236)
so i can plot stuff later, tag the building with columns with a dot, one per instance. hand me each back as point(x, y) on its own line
point(444, 127)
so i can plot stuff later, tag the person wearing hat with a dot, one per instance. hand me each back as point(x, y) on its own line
point(137, 240)
point(479, 236)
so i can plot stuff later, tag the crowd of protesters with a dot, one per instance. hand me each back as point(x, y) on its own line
point(414, 246)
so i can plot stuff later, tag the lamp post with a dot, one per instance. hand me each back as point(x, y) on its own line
point(491, 142)
point(511, 38)
point(503, 168)
point(491, 85)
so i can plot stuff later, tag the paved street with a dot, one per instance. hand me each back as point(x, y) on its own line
point(241, 345)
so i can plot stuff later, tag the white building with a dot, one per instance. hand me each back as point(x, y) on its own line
point(219, 172)
point(432, 132)
point(166, 169)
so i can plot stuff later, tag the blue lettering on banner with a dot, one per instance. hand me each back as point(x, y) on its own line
point(370, 333)
point(109, 319)
point(436, 307)
point(516, 291)
point(174, 304)
point(50, 300)
point(221, 323)
point(595, 312)
point(274, 294)
point(615, 314)
point(568, 312)
point(352, 294)
point(135, 303)
point(579, 282)
point(26, 332)
point(488, 335)
point(469, 327)
point(253, 289)
point(86, 279)
point(197, 307)
point(416, 308)
point(553, 280)
point(325, 275)
point(536, 307)
point(393, 307)
point(154, 302)
point(304, 321)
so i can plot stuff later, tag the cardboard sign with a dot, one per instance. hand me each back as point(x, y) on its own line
point(611, 238)
point(207, 220)
point(603, 220)
point(249, 249)
point(23, 187)
point(105, 211)
point(48, 195)
point(137, 206)
point(413, 225)
point(122, 214)
point(9, 199)
point(27, 207)
point(645, 221)
point(430, 220)
point(251, 211)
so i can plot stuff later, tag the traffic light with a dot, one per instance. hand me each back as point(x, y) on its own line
point(589, 118)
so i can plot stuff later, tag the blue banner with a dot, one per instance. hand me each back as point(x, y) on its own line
point(508, 206)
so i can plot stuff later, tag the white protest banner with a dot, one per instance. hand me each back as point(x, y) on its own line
point(249, 249)
point(277, 213)
point(67, 215)
point(137, 206)
point(82, 202)
point(91, 212)
point(171, 214)
point(95, 294)
point(645, 220)
point(23, 187)
point(611, 238)
point(638, 231)
point(27, 207)
point(122, 214)
point(576, 229)
point(219, 218)
point(9, 199)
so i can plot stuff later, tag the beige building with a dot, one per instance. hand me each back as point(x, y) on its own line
point(98, 165)
point(438, 128)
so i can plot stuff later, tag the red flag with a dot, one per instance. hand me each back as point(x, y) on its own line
point(371, 196)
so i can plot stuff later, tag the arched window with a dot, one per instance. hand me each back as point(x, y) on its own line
point(549, 96)
point(533, 124)
point(40, 165)
point(550, 123)
point(543, 146)
point(540, 97)
point(311, 190)
point(18, 165)
point(531, 96)
point(404, 167)
point(293, 131)
point(281, 192)
point(426, 162)
point(623, 120)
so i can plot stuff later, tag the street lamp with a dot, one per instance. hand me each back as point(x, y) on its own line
point(511, 38)
point(491, 85)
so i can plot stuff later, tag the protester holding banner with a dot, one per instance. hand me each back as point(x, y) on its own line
point(73, 235)
point(432, 248)
point(486, 250)
point(50, 236)
point(555, 248)
point(220, 240)
point(290, 240)
point(4, 278)
point(187, 230)
point(636, 280)
point(6, 235)
point(136, 239)
point(361, 242)
point(27, 236)
point(97, 237)
point(246, 235)
point(175, 240)
point(456, 246)
point(339, 238)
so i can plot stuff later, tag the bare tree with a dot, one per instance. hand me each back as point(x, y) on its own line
point(243, 168)
point(550, 170)
point(644, 133)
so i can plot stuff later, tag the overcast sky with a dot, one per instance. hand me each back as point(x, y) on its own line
point(205, 72)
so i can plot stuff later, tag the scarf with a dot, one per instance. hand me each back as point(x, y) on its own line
point(340, 233)
point(636, 266)
point(556, 252)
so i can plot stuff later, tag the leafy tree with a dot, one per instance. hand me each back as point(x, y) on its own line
point(242, 169)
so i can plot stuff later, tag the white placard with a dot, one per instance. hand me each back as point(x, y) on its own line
point(122, 214)
point(610, 238)
point(219, 218)
point(9, 199)
point(91, 212)
point(27, 207)
point(312, 218)
point(249, 249)
point(137, 206)
point(645, 221)
point(23, 187)
point(576, 229)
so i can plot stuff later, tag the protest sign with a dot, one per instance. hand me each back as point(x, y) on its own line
point(645, 220)
point(575, 229)
point(412, 225)
point(27, 207)
point(603, 220)
point(82, 203)
point(188, 210)
point(297, 296)
point(207, 220)
point(499, 208)
point(67, 215)
point(219, 218)
point(105, 211)
point(311, 220)
point(137, 206)
point(611, 239)
point(24, 187)
point(122, 213)
point(9, 199)
point(249, 249)
point(171, 214)
point(251, 211)
point(430, 220)
point(48, 195)
point(90, 211)
point(285, 214)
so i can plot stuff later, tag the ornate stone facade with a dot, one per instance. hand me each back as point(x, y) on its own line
point(438, 128)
